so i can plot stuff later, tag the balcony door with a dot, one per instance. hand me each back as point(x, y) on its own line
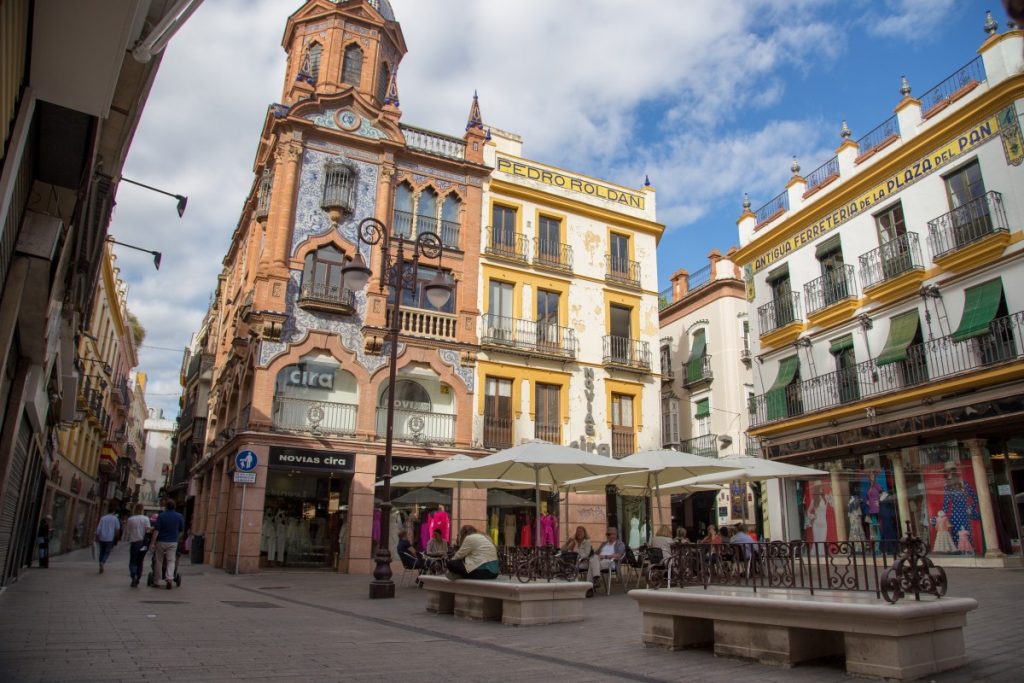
point(619, 251)
point(549, 239)
point(547, 318)
point(782, 295)
point(548, 419)
point(499, 311)
point(894, 248)
point(321, 275)
point(622, 425)
point(621, 333)
point(497, 412)
point(833, 274)
point(503, 229)
point(966, 191)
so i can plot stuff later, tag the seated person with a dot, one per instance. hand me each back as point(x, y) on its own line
point(663, 540)
point(437, 545)
point(407, 552)
point(608, 555)
point(741, 537)
point(580, 544)
point(681, 536)
point(476, 558)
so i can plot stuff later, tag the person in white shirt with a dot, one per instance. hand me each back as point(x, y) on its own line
point(136, 531)
point(106, 533)
point(607, 557)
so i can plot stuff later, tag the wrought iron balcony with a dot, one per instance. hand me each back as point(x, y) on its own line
point(822, 175)
point(891, 259)
point(664, 298)
point(773, 208)
point(418, 322)
point(553, 255)
point(449, 234)
point(880, 137)
point(528, 335)
point(199, 431)
point(831, 288)
point(121, 393)
point(623, 441)
point(697, 373)
point(506, 244)
point(967, 224)
point(627, 353)
point(779, 313)
point(753, 446)
point(401, 224)
point(315, 417)
point(698, 278)
point(925, 363)
point(706, 445)
point(418, 426)
point(622, 270)
point(497, 431)
point(953, 87)
point(320, 296)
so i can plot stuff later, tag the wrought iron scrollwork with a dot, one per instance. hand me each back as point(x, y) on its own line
point(912, 572)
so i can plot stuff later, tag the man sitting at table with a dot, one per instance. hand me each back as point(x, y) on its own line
point(741, 537)
point(407, 552)
point(437, 545)
point(476, 558)
point(607, 556)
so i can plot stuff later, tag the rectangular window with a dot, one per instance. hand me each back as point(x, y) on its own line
point(894, 247)
point(547, 317)
point(497, 412)
point(418, 297)
point(622, 425)
point(669, 421)
point(970, 217)
point(548, 419)
point(621, 321)
point(746, 337)
point(619, 251)
point(964, 185)
point(503, 226)
point(890, 223)
point(846, 369)
point(833, 275)
point(702, 414)
point(549, 238)
point(499, 310)
point(782, 295)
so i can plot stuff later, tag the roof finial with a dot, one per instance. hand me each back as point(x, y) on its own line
point(488, 136)
point(475, 119)
point(904, 86)
point(391, 96)
point(845, 131)
point(991, 27)
point(746, 202)
point(647, 180)
point(795, 166)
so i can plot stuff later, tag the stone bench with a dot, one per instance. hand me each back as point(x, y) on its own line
point(514, 603)
point(901, 641)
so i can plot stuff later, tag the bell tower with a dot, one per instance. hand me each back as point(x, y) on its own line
point(338, 47)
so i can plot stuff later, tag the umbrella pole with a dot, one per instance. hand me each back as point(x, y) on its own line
point(458, 515)
point(565, 522)
point(536, 489)
point(657, 499)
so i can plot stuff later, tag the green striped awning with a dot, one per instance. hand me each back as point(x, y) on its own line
point(980, 306)
point(841, 344)
point(775, 398)
point(693, 366)
point(902, 330)
point(703, 408)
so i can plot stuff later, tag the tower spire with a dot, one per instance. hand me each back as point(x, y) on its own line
point(475, 119)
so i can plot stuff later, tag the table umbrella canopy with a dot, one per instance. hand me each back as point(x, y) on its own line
point(662, 464)
point(501, 499)
point(423, 496)
point(748, 469)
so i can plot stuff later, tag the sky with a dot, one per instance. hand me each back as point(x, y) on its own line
point(710, 99)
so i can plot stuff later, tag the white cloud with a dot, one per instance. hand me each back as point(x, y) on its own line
point(909, 19)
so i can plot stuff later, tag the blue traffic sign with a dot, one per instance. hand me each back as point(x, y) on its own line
point(245, 461)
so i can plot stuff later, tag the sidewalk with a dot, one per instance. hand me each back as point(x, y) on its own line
point(68, 623)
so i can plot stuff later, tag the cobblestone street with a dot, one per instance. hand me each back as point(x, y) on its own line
point(68, 623)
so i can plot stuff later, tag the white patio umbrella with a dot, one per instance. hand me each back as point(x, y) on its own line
point(650, 468)
point(545, 463)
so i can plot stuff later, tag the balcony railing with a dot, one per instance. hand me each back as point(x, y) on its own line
point(891, 259)
point(753, 446)
point(433, 143)
point(316, 417)
point(831, 288)
point(774, 207)
point(507, 244)
point(554, 255)
point(418, 426)
point(623, 441)
point(623, 351)
point(706, 445)
point(823, 174)
point(401, 224)
point(497, 431)
point(449, 234)
point(529, 335)
point(199, 431)
point(121, 392)
point(967, 224)
point(417, 322)
point(664, 298)
point(700, 372)
point(927, 362)
point(447, 231)
point(551, 433)
point(779, 313)
point(950, 89)
point(882, 135)
point(618, 269)
point(699, 278)
point(323, 296)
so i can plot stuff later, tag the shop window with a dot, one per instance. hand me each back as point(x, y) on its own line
point(352, 66)
point(315, 395)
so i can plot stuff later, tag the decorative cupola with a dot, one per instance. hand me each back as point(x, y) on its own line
point(475, 136)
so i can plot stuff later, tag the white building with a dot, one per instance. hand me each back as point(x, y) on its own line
point(156, 459)
point(887, 293)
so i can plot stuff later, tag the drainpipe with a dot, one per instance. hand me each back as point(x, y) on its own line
point(161, 34)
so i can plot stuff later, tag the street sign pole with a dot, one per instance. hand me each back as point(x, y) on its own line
point(241, 518)
point(245, 474)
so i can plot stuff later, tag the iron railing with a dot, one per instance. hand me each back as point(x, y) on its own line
point(622, 270)
point(926, 362)
point(664, 298)
point(505, 243)
point(947, 91)
point(880, 136)
point(891, 259)
point(624, 351)
point(449, 234)
point(822, 174)
point(545, 563)
point(772, 208)
point(551, 254)
point(698, 278)
point(834, 286)
point(623, 441)
point(433, 143)
point(497, 431)
point(538, 336)
point(316, 417)
point(698, 372)
point(967, 224)
point(199, 431)
point(401, 224)
point(705, 445)
point(753, 446)
point(418, 426)
point(778, 313)
point(552, 433)
point(322, 294)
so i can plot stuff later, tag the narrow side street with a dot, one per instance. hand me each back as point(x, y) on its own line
point(68, 623)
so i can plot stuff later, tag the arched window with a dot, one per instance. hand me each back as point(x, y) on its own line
point(426, 212)
point(321, 275)
point(449, 232)
point(314, 62)
point(409, 395)
point(382, 82)
point(352, 67)
point(403, 211)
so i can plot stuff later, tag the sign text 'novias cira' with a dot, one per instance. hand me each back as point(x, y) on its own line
point(570, 182)
point(304, 458)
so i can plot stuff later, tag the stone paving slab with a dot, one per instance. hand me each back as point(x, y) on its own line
point(68, 623)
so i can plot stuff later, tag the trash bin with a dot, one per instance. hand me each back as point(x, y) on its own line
point(197, 549)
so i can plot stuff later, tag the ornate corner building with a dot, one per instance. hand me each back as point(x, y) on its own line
point(886, 293)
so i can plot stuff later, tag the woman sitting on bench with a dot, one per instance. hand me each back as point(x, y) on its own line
point(476, 558)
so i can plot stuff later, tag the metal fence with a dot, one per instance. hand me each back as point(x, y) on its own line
point(831, 288)
point(778, 204)
point(705, 445)
point(529, 335)
point(879, 136)
point(891, 259)
point(418, 426)
point(699, 371)
point(323, 293)
point(552, 254)
point(944, 92)
point(317, 417)
point(507, 244)
point(779, 313)
point(634, 353)
point(967, 224)
point(828, 170)
point(622, 270)
point(699, 278)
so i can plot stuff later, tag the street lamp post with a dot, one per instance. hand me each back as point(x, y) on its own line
point(399, 275)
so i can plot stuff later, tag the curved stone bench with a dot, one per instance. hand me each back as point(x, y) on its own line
point(902, 641)
point(512, 602)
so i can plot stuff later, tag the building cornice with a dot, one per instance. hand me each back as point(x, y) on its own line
point(718, 289)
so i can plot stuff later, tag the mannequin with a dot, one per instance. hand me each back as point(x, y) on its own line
point(943, 539)
point(960, 503)
point(394, 527)
point(548, 527)
point(268, 524)
point(341, 539)
point(280, 536)
point(493, 524)
point(856, 520)
point(634, 532)
point(510, 529)
point(294, 543)
point(441, 521)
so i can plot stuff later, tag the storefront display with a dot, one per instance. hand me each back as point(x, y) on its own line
point(512, 518)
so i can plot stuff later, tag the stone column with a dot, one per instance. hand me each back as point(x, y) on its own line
point(839, 502)
point(282, 202)
point(988, 520)
point(900, 482)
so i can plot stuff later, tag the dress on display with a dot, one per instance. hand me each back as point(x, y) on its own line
point(441, 521)
point(634, 532)
point(394, 528)
point(856, 525)
point(268, 527)
point(964, 544)
point(526, 534)
point(548, 530)
point(960, 503)
point(279, 541)
point(510, 530)
point(943, 539)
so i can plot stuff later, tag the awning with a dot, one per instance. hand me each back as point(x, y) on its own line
point(694, 371)
point(825, 248)
point(775, 398)
point(980, 306)
point(902, 330)
point(841, 344)
point(703, 408)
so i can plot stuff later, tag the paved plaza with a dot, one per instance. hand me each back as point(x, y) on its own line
point(68, 623)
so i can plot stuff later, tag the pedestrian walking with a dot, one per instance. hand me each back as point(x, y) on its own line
point(166, 532)
point(43, 541)
point(106, 533)
point(137, 530)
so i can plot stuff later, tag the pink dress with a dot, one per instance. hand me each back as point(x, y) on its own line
point(548, 530)
point(440, 520)
point(964, 542)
